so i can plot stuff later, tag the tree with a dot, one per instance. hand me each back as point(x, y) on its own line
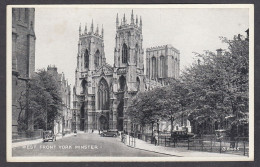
point(43, 102)
point(174, 100)
point(214, 89)
point(53, 99)
point(219, 83)
point(143, 108)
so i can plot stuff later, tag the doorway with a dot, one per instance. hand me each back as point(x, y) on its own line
point(103, 123)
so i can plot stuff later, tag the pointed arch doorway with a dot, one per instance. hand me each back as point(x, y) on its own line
point(120, 107)
point(103, 123)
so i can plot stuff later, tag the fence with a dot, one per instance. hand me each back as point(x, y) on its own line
point(239, 146)
point(128, 140)
point(29, 135)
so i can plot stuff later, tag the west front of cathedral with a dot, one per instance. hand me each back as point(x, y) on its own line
point(101, 91)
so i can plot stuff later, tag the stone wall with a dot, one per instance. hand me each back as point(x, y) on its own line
point(23, 57)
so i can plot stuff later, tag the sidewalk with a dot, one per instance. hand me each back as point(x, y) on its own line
point(37, 141)
point(176, 151)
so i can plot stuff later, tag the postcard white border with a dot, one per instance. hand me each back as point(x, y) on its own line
point(10, 158)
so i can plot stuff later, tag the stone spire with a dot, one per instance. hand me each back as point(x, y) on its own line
point(132, 17)
point(124, 21)
point(86, 29)
point(97, 30)
point(141, 23)
point(92, 27)
point(117, 21)
point(102, 31)
point(80, 29)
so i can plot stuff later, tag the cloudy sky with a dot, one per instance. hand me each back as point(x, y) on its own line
point(189, 30)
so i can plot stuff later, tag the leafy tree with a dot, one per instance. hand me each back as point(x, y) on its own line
point(53, 99)
point(42, 100)
point(174, 101)
point(216, 88)
point(143, 108)
point(219, 83)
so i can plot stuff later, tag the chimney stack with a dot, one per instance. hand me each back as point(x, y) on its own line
point(219, 52)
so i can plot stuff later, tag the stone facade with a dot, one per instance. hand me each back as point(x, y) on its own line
point(162, 62)
point(64, 122)
point(101, 92)
point(23, 60)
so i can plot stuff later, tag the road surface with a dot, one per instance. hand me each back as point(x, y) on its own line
point(84, 144)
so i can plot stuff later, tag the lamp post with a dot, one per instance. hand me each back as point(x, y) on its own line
point(158, 127)
point(46, 124)
point(46, 112)
point(75, 121)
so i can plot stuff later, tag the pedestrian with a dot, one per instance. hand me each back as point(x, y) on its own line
point(92, 130)
point(99, 131)
point(156, 139)
point(122, 138)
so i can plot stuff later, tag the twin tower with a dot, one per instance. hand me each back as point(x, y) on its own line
point(128, 49)
point(101, 92)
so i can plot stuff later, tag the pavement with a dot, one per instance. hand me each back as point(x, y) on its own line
point(173, 151)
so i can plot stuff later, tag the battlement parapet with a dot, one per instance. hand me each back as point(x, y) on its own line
point(163, 47)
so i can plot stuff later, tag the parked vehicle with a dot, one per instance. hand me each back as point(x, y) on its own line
point(48, 135)
point(181, 135)
point(109, 133)
point(220, 134)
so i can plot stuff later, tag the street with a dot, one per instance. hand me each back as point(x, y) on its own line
point(84, 144)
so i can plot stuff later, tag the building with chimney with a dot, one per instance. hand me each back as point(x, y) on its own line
point(101, 91)
point(62, 124)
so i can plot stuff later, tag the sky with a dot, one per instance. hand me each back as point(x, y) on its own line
point(189, 30)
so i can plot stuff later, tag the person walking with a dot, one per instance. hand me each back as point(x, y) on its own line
point(156, 137)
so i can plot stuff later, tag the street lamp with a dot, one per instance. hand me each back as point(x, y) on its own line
point(158, 127)
point(75, 118)
point(46, 110)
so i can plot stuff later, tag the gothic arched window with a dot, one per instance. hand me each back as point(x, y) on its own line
point(124, 53)
point(97, 58)
point(19, 14)
point(122, 83)
point(137, 83)
point(174, 68)
point(139, 57)
point(153, 68)
point(82, 111)
point(26, 15)
point(103, 95)
point(83, 85)
point(162, 66)
point(136, 53)
point(86, 59)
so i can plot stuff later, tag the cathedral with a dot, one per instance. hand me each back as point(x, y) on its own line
point(23, 63)
point(101, 91)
